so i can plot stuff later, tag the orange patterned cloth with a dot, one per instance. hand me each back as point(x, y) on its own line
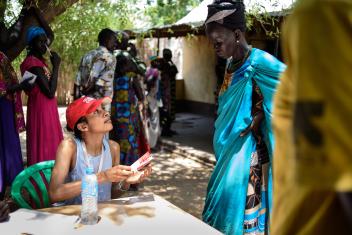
point(227, 82)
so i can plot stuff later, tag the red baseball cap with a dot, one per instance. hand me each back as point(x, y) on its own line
point(82, 107)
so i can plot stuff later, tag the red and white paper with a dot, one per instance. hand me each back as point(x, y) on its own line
point(142, 162)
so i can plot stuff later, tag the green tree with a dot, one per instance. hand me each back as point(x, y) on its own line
point(20, 17)
point(76, 30)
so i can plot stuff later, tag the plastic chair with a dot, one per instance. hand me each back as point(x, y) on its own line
point(35, 180)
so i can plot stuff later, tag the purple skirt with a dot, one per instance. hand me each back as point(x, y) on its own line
point(11, 163)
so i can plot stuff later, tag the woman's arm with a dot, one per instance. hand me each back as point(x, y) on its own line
point(133, 178)
point(116, 192)
point(257, 114)
point(18, 87)
point(138, 89)
point(48, 86)
point(59, 190)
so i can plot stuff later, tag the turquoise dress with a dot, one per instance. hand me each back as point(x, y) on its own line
point(227, 202)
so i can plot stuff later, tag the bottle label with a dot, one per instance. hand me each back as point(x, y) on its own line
point(89, 189)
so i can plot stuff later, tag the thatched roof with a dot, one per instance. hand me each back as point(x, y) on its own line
point(193, 22)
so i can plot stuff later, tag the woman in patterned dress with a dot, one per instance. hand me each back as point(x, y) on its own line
point(124, 112)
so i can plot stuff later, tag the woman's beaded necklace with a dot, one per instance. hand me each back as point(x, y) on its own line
point(234, 65)
point(231, 68)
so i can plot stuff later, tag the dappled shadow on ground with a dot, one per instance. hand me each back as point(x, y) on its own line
point(193, 130)
point(180, 180)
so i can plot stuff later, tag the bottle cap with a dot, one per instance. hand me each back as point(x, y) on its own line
point(89, 170)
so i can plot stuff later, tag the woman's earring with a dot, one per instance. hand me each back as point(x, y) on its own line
point(237, 41)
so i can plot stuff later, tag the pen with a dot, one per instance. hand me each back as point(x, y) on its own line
point(48, 50)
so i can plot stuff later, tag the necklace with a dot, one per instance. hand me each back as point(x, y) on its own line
point(231, 68)
point(87, 159)
point(234, 65)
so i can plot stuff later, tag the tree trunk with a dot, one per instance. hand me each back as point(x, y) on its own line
point(49, 11)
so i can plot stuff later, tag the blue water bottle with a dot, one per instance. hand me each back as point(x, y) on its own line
point(89, 211)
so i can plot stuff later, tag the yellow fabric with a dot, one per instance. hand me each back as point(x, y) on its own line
point(313, 120)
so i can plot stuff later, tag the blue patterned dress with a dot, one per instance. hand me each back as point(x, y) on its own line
point(125, 120)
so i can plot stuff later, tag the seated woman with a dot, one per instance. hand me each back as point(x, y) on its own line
point(90, 123)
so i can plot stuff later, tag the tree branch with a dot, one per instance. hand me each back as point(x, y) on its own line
point(3, 4)
point(49, 11)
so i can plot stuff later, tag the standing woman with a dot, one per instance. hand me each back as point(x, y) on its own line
point(124, 115)
point(11, 113)
point(239, 192)
point(152, 79)
point(44, 131)
point(11, 124)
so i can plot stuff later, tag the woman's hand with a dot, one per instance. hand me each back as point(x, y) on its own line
point(25, 85)
point(118, 173)
point(55, 59)
point(140, 176)
point(254, 127)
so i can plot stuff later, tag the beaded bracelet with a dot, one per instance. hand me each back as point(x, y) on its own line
point(120, 186)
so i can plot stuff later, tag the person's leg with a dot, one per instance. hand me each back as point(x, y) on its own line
point(165, 123)
point(168, 122)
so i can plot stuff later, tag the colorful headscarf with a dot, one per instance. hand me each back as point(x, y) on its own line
point(33, 32)
point(228, 13)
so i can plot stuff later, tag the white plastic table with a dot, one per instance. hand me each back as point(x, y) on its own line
point(146, 214)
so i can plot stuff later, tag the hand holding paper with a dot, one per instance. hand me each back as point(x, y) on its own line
point(141, 162)
point(28, 76)
point(141, 168)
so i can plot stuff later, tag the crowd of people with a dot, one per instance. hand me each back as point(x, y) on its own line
point(299, 183)
point(114, 118)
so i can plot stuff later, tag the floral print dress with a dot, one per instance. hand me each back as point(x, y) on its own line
point(125, 120)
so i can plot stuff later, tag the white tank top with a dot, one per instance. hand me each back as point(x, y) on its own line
point(79, 170)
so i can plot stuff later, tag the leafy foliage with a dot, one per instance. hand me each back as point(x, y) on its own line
point(270, 22)
point(10, 9)
point(76, 30)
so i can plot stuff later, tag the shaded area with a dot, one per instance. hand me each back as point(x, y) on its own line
point(180, 180)
point(194, 130)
